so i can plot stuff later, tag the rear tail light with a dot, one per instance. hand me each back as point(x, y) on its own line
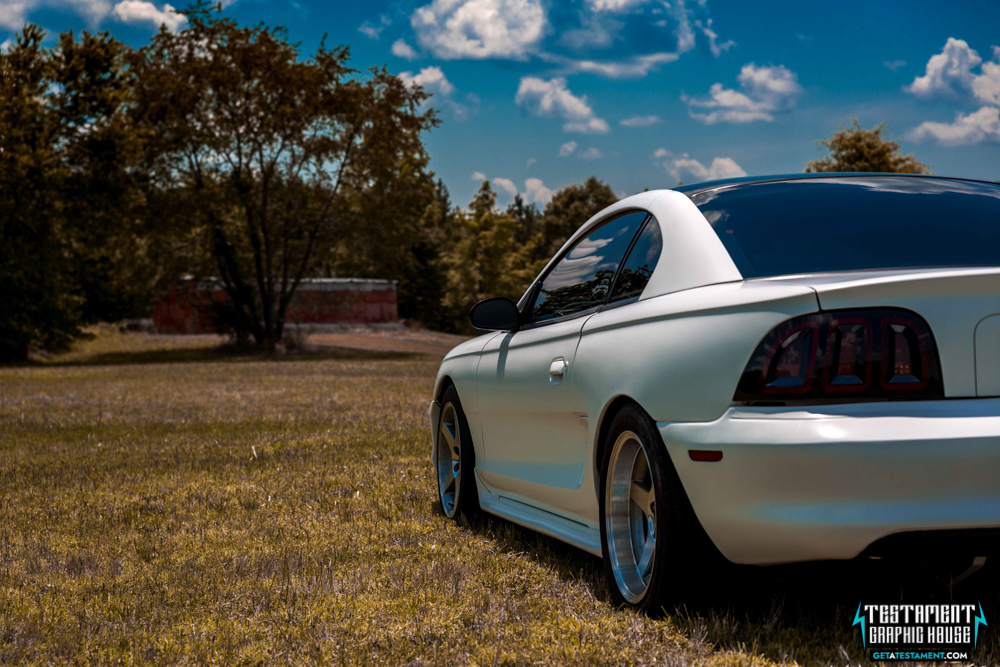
point(844, 356)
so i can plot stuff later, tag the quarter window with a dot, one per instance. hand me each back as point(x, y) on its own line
point(639, 266)
point(581, 280)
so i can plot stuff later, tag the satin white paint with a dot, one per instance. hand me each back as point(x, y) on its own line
point(794, 484)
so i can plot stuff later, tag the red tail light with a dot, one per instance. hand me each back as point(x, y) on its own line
point(844, 356)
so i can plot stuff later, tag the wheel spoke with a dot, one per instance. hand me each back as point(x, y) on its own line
point(449, 435)
point(641, 493)
point(645, 564)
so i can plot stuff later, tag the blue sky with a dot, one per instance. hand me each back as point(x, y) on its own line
point(536, 94)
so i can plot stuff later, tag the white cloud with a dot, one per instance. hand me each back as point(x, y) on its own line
point(685, 167)
point(478, 176)
point(590, 154)
point(140, 11)
point(567, 148)
point(950, 73)
point(894, 64)
point(506, 184)
point(967, 128)
point(431, 79)
point(632, 68)
point(401, 49)
point(553, 99)
point(480, 28)
point(765, 90)
point(639, 121)
point(614, 5)
point(536, 192)
point(713, 38)
point(14, 14)
point(370, 31)
point(530, 162)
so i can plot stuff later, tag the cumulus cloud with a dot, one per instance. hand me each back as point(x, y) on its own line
point(506, 184)
point(535, 192)
point(401, 49)
point(947, 72)
point(894, 64)
point(764, 91)
point(684, 167)
point(478, 176)
point(140, 11)
point(453, 29)
point(567, 148)
point(639, 121)
point(590, 154)
point(553, 99)
point(15, 13)
point(970, 128)
point(433, 81)
point(530, 162)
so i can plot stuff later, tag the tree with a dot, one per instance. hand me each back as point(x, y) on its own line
point(482, 260)
point(102, 193)
point(267, 146)
point(40, 308)
point(857, 149)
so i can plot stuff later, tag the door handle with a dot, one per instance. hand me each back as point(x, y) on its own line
point(558, 368)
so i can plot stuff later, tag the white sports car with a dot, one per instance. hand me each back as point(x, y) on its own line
point(781, 369)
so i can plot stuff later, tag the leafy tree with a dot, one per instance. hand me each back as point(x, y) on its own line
point(482, 259)
point(569, 208)
point(103, 191)
point(39, 306)
point(267, 145)
point(857, 149)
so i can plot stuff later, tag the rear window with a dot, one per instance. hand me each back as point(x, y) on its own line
point(857, 223)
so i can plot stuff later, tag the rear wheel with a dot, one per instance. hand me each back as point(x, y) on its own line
point(652, 543)
point(454, 460)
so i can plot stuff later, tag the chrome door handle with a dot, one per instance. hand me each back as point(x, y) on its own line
point(558, 368)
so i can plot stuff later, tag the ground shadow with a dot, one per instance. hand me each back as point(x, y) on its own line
point(802, 612)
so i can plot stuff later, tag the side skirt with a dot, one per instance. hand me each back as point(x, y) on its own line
point(547, 523)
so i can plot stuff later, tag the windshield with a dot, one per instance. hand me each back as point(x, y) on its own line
point(855, 223)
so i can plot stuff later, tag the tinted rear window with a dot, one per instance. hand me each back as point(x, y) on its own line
point(851, 224)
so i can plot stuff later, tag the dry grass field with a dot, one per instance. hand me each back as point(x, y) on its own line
point(164, 503)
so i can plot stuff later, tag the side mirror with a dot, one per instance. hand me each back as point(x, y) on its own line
point(496, 314)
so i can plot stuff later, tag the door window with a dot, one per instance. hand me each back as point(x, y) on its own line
point(580, 281)
point(639, 265)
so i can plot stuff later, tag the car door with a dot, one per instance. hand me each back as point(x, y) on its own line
point(534, 443)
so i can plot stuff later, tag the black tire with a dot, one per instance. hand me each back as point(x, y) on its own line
point(453, 433)
point(682, 553)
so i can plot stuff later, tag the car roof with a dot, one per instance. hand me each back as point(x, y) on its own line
point(698, 188)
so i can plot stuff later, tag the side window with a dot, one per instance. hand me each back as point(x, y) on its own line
point(640, 263)
point(581, 280)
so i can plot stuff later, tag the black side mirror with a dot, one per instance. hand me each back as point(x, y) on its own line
point(496, 314)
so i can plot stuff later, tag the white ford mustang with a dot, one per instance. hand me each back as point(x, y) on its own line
point(777, 370)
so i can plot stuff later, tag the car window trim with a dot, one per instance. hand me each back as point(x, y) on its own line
point(536, 286)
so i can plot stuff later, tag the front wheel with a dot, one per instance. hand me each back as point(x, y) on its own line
point(651, 541)
point(454, 460)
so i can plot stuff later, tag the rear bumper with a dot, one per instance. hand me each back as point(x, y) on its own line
point(798, 484)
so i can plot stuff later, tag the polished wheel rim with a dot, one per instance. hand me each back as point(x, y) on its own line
point(448, 455)
point(630, 516)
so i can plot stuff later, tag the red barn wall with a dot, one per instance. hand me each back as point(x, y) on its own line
point(189, 307)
